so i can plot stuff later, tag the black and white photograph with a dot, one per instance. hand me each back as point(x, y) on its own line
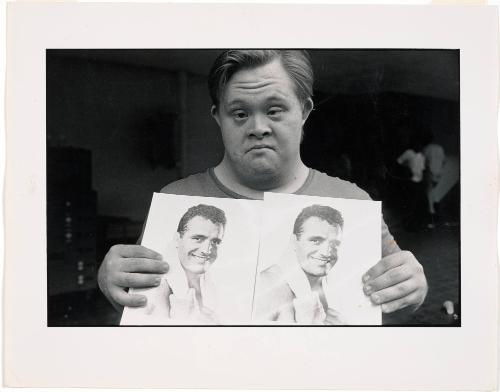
point(211, 248)
point(125, 123)
point(221, 196)
point(313, 255)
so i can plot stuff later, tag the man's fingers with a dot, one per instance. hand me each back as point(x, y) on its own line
point(144, 265)
point(403, 280)
point(389, 278)
point(392, 293)
point(384, 265)
point(128, 279)
point(125, 299)
point(401, 303)
point(135, 251)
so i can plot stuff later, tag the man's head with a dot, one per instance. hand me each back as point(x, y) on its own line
point(199, 234)
point(261, 100)
point(317, 235)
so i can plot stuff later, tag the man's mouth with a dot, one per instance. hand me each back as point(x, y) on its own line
point(323, 261)
point(201, 259)
point(260, 147)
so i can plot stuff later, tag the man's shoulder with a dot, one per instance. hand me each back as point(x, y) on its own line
point(199, 184)
point(274, 273)
point(321, 184)
point(273, 295)
point(273, 279)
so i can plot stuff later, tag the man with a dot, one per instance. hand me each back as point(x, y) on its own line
point(186, 293)
point(293, 291)
point(261, 100)
point(435, 159)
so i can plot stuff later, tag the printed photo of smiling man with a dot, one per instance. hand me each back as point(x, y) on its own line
point(305, 276)
point(190, 294)
point(186, 294)
point(317, 233)
point(204, 284)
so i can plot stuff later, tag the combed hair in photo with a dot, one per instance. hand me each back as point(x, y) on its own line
point(211, 213)
point(297, 64)
point(326, 213)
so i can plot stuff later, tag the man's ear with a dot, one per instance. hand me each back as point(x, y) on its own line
point(307, 109)
point(177, 238)
point(215, 114)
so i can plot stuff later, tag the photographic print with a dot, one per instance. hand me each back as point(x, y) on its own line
point(211, 248)
point(115, 102)
point(123, 123)
point(313, 254)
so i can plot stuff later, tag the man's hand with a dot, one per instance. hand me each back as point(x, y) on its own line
point(396, 282)
point(128, 266)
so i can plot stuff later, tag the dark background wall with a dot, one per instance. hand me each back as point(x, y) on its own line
point(127, 116)
point(141, 117)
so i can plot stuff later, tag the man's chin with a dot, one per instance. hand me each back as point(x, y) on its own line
point(318, 273)
point(199, 268)
point(325, 270)
point(261, 173)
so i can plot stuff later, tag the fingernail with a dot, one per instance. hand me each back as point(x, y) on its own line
point(376, 299)
point(365, 278)
point(143, 301)
point(164, 267)
point(368, 289)
point(157, 281)
point(384, 308)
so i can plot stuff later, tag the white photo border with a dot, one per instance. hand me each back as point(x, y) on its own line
point(362, 358)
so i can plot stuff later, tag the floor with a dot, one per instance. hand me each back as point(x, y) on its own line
point(438, 250)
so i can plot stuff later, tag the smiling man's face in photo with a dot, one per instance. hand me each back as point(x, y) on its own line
point(317, 245)
point(197, 246)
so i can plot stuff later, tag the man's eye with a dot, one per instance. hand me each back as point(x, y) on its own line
point(239, 114)
point(275, 111)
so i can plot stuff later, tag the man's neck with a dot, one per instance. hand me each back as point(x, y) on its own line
point(194, 283)
point(193, 280)
point(255, 189)
point(314, 281)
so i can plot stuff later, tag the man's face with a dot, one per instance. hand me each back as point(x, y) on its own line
point(197, 247)
point(316, 247)
point(261, 121)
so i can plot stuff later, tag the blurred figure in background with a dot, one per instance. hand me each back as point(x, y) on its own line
point(434, 166)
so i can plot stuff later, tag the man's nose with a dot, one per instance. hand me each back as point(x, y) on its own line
point(206, 248)
point(326, 250)
point(259, 127)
